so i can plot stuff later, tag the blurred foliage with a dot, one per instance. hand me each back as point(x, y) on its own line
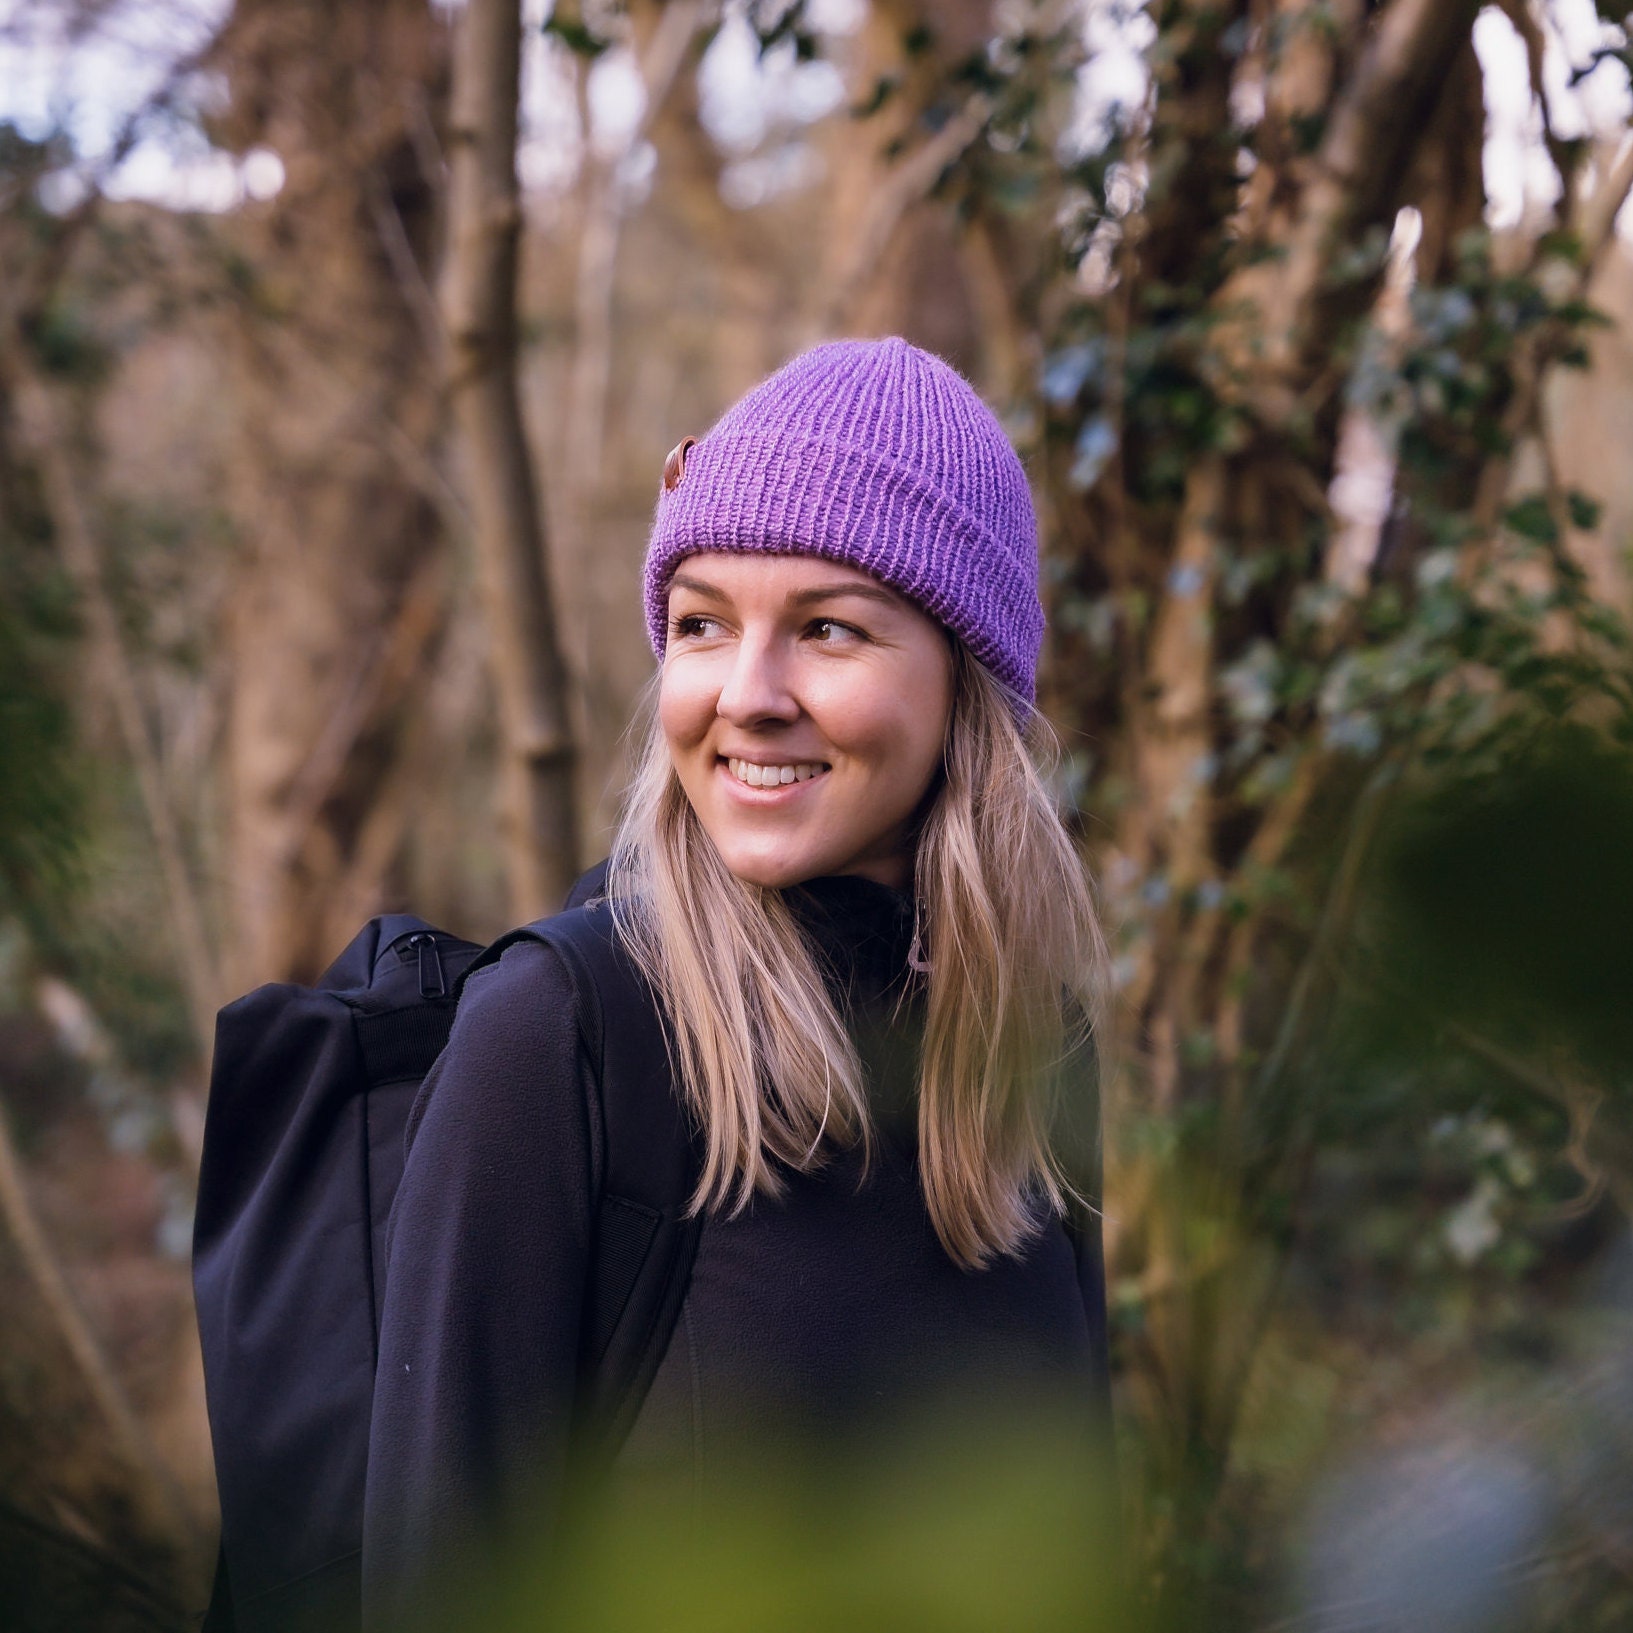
point(40, 781)
point(954, 1520)
point(74, 845)
point(41, 793)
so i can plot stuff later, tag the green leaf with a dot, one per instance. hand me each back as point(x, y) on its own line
point(1530, 519)
point(884, 87)
point(1585, 512)
point(575, 36)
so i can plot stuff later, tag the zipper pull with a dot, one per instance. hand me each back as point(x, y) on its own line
point(433, 983)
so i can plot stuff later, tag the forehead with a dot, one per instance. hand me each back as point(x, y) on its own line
point(775, 575)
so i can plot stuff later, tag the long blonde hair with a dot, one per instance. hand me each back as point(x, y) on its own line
point(1016, 961)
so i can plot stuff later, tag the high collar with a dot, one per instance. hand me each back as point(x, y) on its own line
point(863, 929)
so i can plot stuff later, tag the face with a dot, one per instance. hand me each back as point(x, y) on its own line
point(805, 705)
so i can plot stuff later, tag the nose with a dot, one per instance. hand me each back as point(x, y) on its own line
point(758, 690)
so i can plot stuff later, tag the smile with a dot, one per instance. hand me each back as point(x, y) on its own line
point(774, 776)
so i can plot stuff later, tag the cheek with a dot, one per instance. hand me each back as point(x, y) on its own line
point(685, 707)
point(926, 734)
point(901, 742)
point(922, 704)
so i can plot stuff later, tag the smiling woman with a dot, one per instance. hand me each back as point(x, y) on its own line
point(873, 953)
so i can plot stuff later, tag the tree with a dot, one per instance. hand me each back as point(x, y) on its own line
point(479, 303)
point(343, 587)
point(1283, 242)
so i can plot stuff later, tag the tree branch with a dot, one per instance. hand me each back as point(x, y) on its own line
point(417, 293)
point(599, 234)
point(379, 681)
point(1520, 14)
point(909, 183)
point(1357, 175)
point(1167, 825)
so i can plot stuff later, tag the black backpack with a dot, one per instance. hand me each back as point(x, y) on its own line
point(310, 1093)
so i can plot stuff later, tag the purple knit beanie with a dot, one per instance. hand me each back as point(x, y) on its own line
point(877, 454)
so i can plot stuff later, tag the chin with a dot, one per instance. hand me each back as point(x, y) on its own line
point(771, 867)
point(769, 873)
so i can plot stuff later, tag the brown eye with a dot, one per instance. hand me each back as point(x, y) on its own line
point(830, 632)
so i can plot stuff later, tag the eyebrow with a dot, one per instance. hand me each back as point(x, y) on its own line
point(799, 598)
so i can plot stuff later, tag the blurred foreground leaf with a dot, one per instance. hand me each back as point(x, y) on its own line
point(1016, 1529)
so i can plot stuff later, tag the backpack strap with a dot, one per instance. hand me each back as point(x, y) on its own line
point(646, 1236)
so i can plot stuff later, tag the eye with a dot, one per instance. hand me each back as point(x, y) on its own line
point(830, 632)
point(692, 626)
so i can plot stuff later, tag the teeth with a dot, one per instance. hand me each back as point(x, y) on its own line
point(773, 776)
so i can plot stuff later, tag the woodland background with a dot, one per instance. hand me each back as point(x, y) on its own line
point(326, 462)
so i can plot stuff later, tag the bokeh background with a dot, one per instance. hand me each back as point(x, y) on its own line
point(339, 358)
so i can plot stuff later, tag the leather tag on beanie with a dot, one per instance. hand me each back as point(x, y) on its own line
point(674, 467)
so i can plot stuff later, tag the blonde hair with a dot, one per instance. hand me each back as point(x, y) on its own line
point(1006, 924)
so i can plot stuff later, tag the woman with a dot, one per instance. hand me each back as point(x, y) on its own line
point(875, 951)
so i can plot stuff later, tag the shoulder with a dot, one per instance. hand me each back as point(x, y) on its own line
point(514, 1047)
point(534, 1001)
point(608, 988)
point(565, 960)
point(517, 1002)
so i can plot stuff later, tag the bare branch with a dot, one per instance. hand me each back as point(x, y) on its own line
point(380, 680)
point(599, 234)
point(1524, 19)
point(1365, 823)
point(405, 268)
point(909, 183)
point(1356, 177)
point(1600, 208)
point(425, 476)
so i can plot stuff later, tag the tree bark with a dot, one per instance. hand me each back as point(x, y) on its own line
point(335, 386)
point(540, 823)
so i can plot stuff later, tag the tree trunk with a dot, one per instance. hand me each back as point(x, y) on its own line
point(540, 824)
point(328, 630)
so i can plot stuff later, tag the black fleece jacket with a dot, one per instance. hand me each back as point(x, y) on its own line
point(812, 1319)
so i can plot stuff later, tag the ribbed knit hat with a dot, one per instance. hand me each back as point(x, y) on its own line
point(877, 454)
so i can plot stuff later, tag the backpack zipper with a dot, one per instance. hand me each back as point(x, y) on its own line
point(433, 979)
